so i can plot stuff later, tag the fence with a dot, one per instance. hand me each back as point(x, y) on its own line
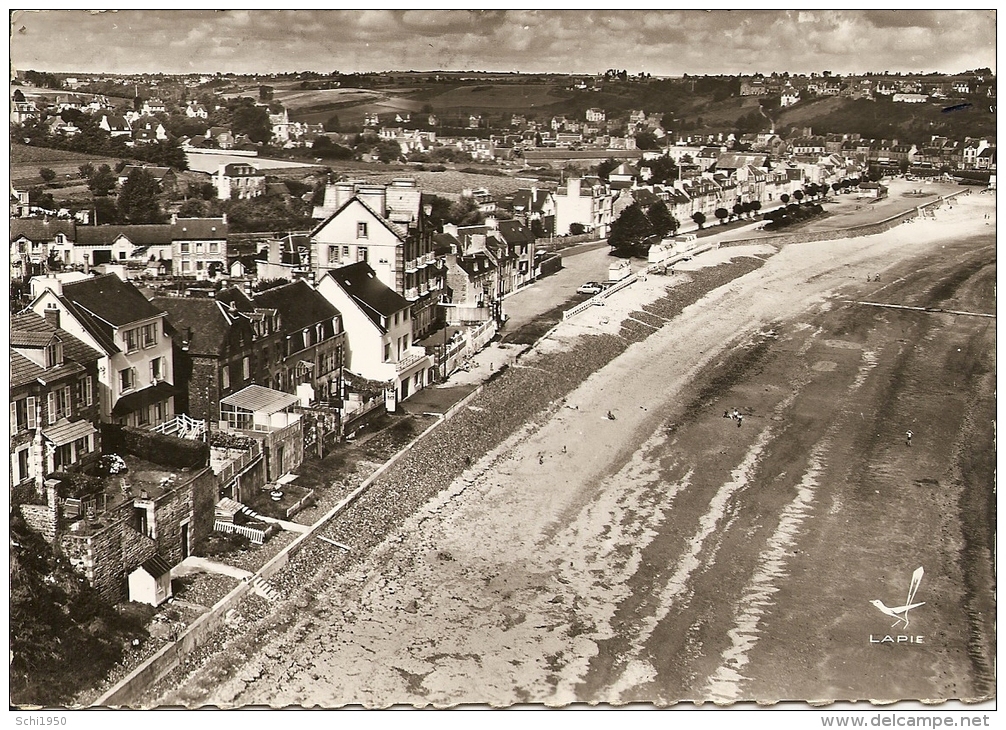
point(235, 467)
point(597, 298)
point(300, 504)
point(554, 243)
point(467, 345)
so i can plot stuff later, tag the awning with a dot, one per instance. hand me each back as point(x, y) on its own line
point(63, 432)
point(143, 398)
point(258, 398)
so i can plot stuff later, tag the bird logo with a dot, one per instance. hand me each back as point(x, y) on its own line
point(901, 612)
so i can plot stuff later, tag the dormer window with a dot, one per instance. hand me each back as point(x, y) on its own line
point(361, 229)
point(54, 354)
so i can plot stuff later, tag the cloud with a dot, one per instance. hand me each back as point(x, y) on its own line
point(585, 41)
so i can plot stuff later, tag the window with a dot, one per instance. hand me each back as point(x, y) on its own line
point(159, 412)
point(361, 230)
point(246, 368)
point(405, 342)
point(345, 252)
point(62, 457)
point(186, 267)
point(132, 339)
point(200, 265)
point(361, 253)
point(23, 414)
point(54, 354)
point(184, 246)
point(22, 465)
point(143, 416)
point(59, 404)
point(199, 247)
point(333, 253)
point(149, 335)
point(156, 369)
point(126, 380)
point(82, 446)
point(225, 377)
point(85, 391)
point(236, 419)
point(396, 317)
point(215, 247)
point(122, 255)
point(387, 351)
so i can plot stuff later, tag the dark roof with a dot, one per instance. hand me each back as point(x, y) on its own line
point(523, 198)
point(158, 173)
point(156, 566)
point(203, 317)
point(143, 398)
point(515, 233)
point(371, 294)
point(444, 243)
point(476, 263)
point(108, 297)
point(298, 305)
point(39, 230)
point(190, 229)
point(146, 235)
point(28, 323)
point(242, 169)
point(23, 370)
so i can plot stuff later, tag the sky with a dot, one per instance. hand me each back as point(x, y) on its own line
point(659, 42)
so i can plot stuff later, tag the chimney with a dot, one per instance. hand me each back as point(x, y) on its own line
point(573, 187)
point(52, 316)
point(223, 218)
point(376, 197)
point(492, 223)
point(174, 219)
point(341, 192)
point(428, 210)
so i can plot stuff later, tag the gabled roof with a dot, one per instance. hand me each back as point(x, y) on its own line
point(399, 233)
point(515, 233)
point(298, 304)
point(29, 329)
point(41, 230)
point(530, 200)
point(138, 235)
point(375, 298)
point(205, 318)
point(475, 264)
point(110, 299)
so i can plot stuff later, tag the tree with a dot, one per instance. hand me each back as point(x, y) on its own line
point(577, 229)
point(646, 141)
point(192, 208)
point(465, 212)
point(630, 228)
point(47, 174)
point(661, 222)
point(252, 121)
point(102, 182)
point(722, 214)
point(387, 150)
point(604, 168)
point(755, 206)
point(798, 194)
point(120, 166)
point(903, 166)
point(138, 198)
point(784, 198)
point(699, 217)
point(332, 123)
point(265, 93)
point(738, 210)
point(86, 170)
point(106, 212)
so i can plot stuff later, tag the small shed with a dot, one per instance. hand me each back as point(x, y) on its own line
point(151, 582)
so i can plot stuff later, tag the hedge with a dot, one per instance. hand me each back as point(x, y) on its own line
point(155, 447)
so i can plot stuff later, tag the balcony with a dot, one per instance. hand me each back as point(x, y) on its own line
point(424, 289)
point(410, 358)
point(412, 266)
point(412, 293)
point(427, 259)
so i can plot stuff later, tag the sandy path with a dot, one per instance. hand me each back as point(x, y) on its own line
point(502, 588)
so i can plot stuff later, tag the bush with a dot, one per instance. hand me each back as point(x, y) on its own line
point(221, 543)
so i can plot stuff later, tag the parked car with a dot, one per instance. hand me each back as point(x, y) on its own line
point(591, 287)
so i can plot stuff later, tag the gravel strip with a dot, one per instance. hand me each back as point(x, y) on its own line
point(515, 400)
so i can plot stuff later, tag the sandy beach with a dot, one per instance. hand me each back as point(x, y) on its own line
point(591, 559)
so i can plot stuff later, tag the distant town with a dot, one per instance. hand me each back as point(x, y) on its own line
point(218, 280)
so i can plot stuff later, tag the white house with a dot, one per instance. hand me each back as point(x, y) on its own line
point(378, 328)
point(238, 180)
point(135, 372)
point(150, 583)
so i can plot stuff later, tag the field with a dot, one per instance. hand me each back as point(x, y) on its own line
point(25, 162)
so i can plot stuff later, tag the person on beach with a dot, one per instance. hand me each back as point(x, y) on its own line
point(908, 438)
point(610, 416)
point(740, 420)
